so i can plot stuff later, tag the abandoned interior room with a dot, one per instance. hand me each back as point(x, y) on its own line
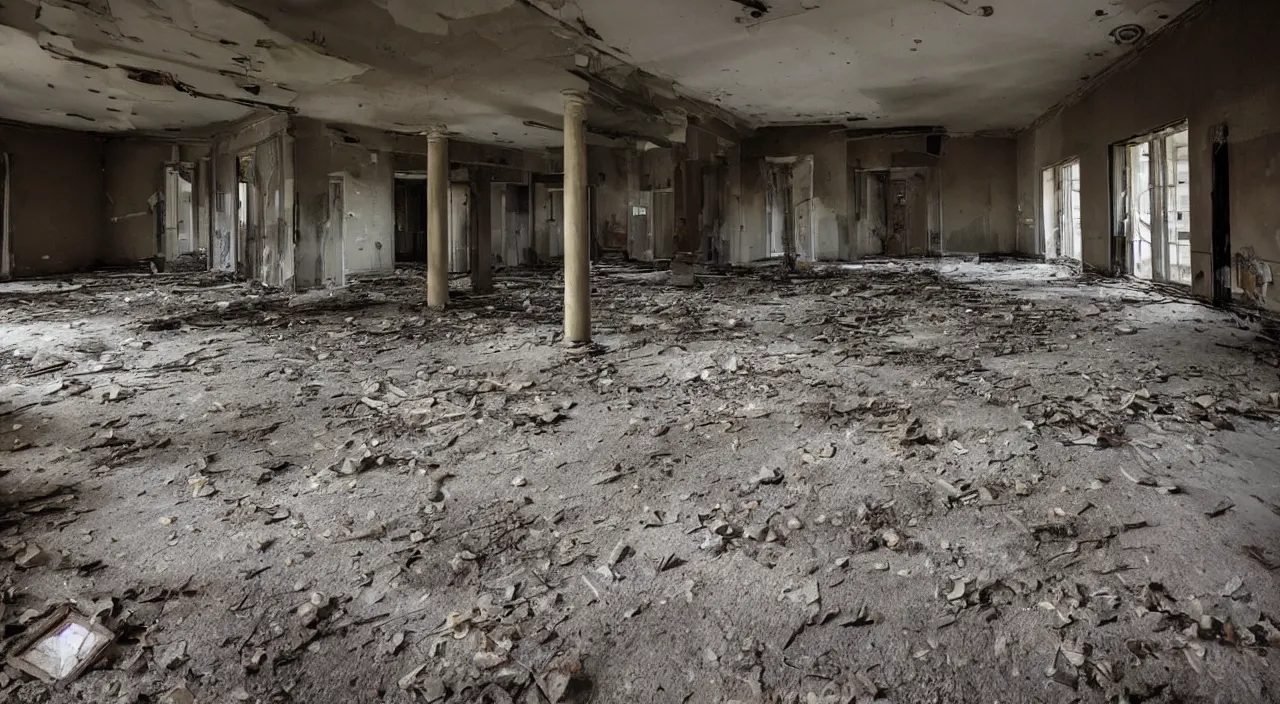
point(679, 351)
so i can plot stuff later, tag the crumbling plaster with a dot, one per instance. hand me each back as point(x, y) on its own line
point(1218, 67)
point(368, 228)
point(829, 207)
point(493, 70)
point(268, 256)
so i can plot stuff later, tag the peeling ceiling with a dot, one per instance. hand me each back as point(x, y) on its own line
point(493, 70)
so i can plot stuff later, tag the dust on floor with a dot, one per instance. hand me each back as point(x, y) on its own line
point(908, 482)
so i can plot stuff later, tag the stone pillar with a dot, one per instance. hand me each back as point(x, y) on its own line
point(482, 236)
point(437, 218)
point(577, 245)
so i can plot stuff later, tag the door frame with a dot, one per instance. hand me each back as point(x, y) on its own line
point(1220, 212)
point(1124, 202)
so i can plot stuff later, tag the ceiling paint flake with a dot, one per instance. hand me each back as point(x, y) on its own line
point(488, 68)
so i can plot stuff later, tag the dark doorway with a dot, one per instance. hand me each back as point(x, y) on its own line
point(779, 208)
point(1221, 216)
point(248, 215)
point(908, 213)
point(5, 262)
point(411, 219)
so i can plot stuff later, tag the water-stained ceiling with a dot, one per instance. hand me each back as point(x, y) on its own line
point(493, 70)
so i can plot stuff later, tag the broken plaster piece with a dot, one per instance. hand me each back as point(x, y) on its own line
point(62, 650)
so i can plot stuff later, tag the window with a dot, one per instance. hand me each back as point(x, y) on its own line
point(1061, 201)
point(1152, 202)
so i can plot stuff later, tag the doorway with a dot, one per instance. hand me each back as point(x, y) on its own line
point(1060, 196)
point(179, 211)
point(1220, 199)
point(459, 228)
point(898, 212)
point(908, 210)
point(248, 215)
point(639, 238)
point(411, 217)
point(1153, 202)
point(788, 201)
point(335, 255)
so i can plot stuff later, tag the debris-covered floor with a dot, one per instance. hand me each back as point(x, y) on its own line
point(945, 482)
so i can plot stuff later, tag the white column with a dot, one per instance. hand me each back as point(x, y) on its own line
point(437, 218)
point(577, 246)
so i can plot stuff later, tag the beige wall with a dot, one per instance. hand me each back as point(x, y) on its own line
point(1218, 67)
point(134, 181)
point(979, 195)
point(55, 214)
point(977, 188)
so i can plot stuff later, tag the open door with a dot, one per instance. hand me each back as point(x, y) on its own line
point(1061, 205)
point(248, 216)
point(410, 200)
point(1156, 204)
point(778, 207)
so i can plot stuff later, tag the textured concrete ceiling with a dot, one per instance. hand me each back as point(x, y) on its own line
point(492, 70)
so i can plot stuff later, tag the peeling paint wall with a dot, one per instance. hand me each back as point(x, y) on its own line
point(1218, 67)
point(364, 241)
point(55, 214)
point(267, 255)
point(369, 226)
point(319, 250)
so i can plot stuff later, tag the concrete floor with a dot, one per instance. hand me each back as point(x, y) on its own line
point(923, 482)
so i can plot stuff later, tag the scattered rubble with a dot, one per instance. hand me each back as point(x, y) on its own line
point(963, 483)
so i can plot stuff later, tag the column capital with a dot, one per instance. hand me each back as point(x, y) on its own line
point(574, 97)
point(436, 133)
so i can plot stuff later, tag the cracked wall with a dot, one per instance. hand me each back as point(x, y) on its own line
point(368, 228)
point(264, 250)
